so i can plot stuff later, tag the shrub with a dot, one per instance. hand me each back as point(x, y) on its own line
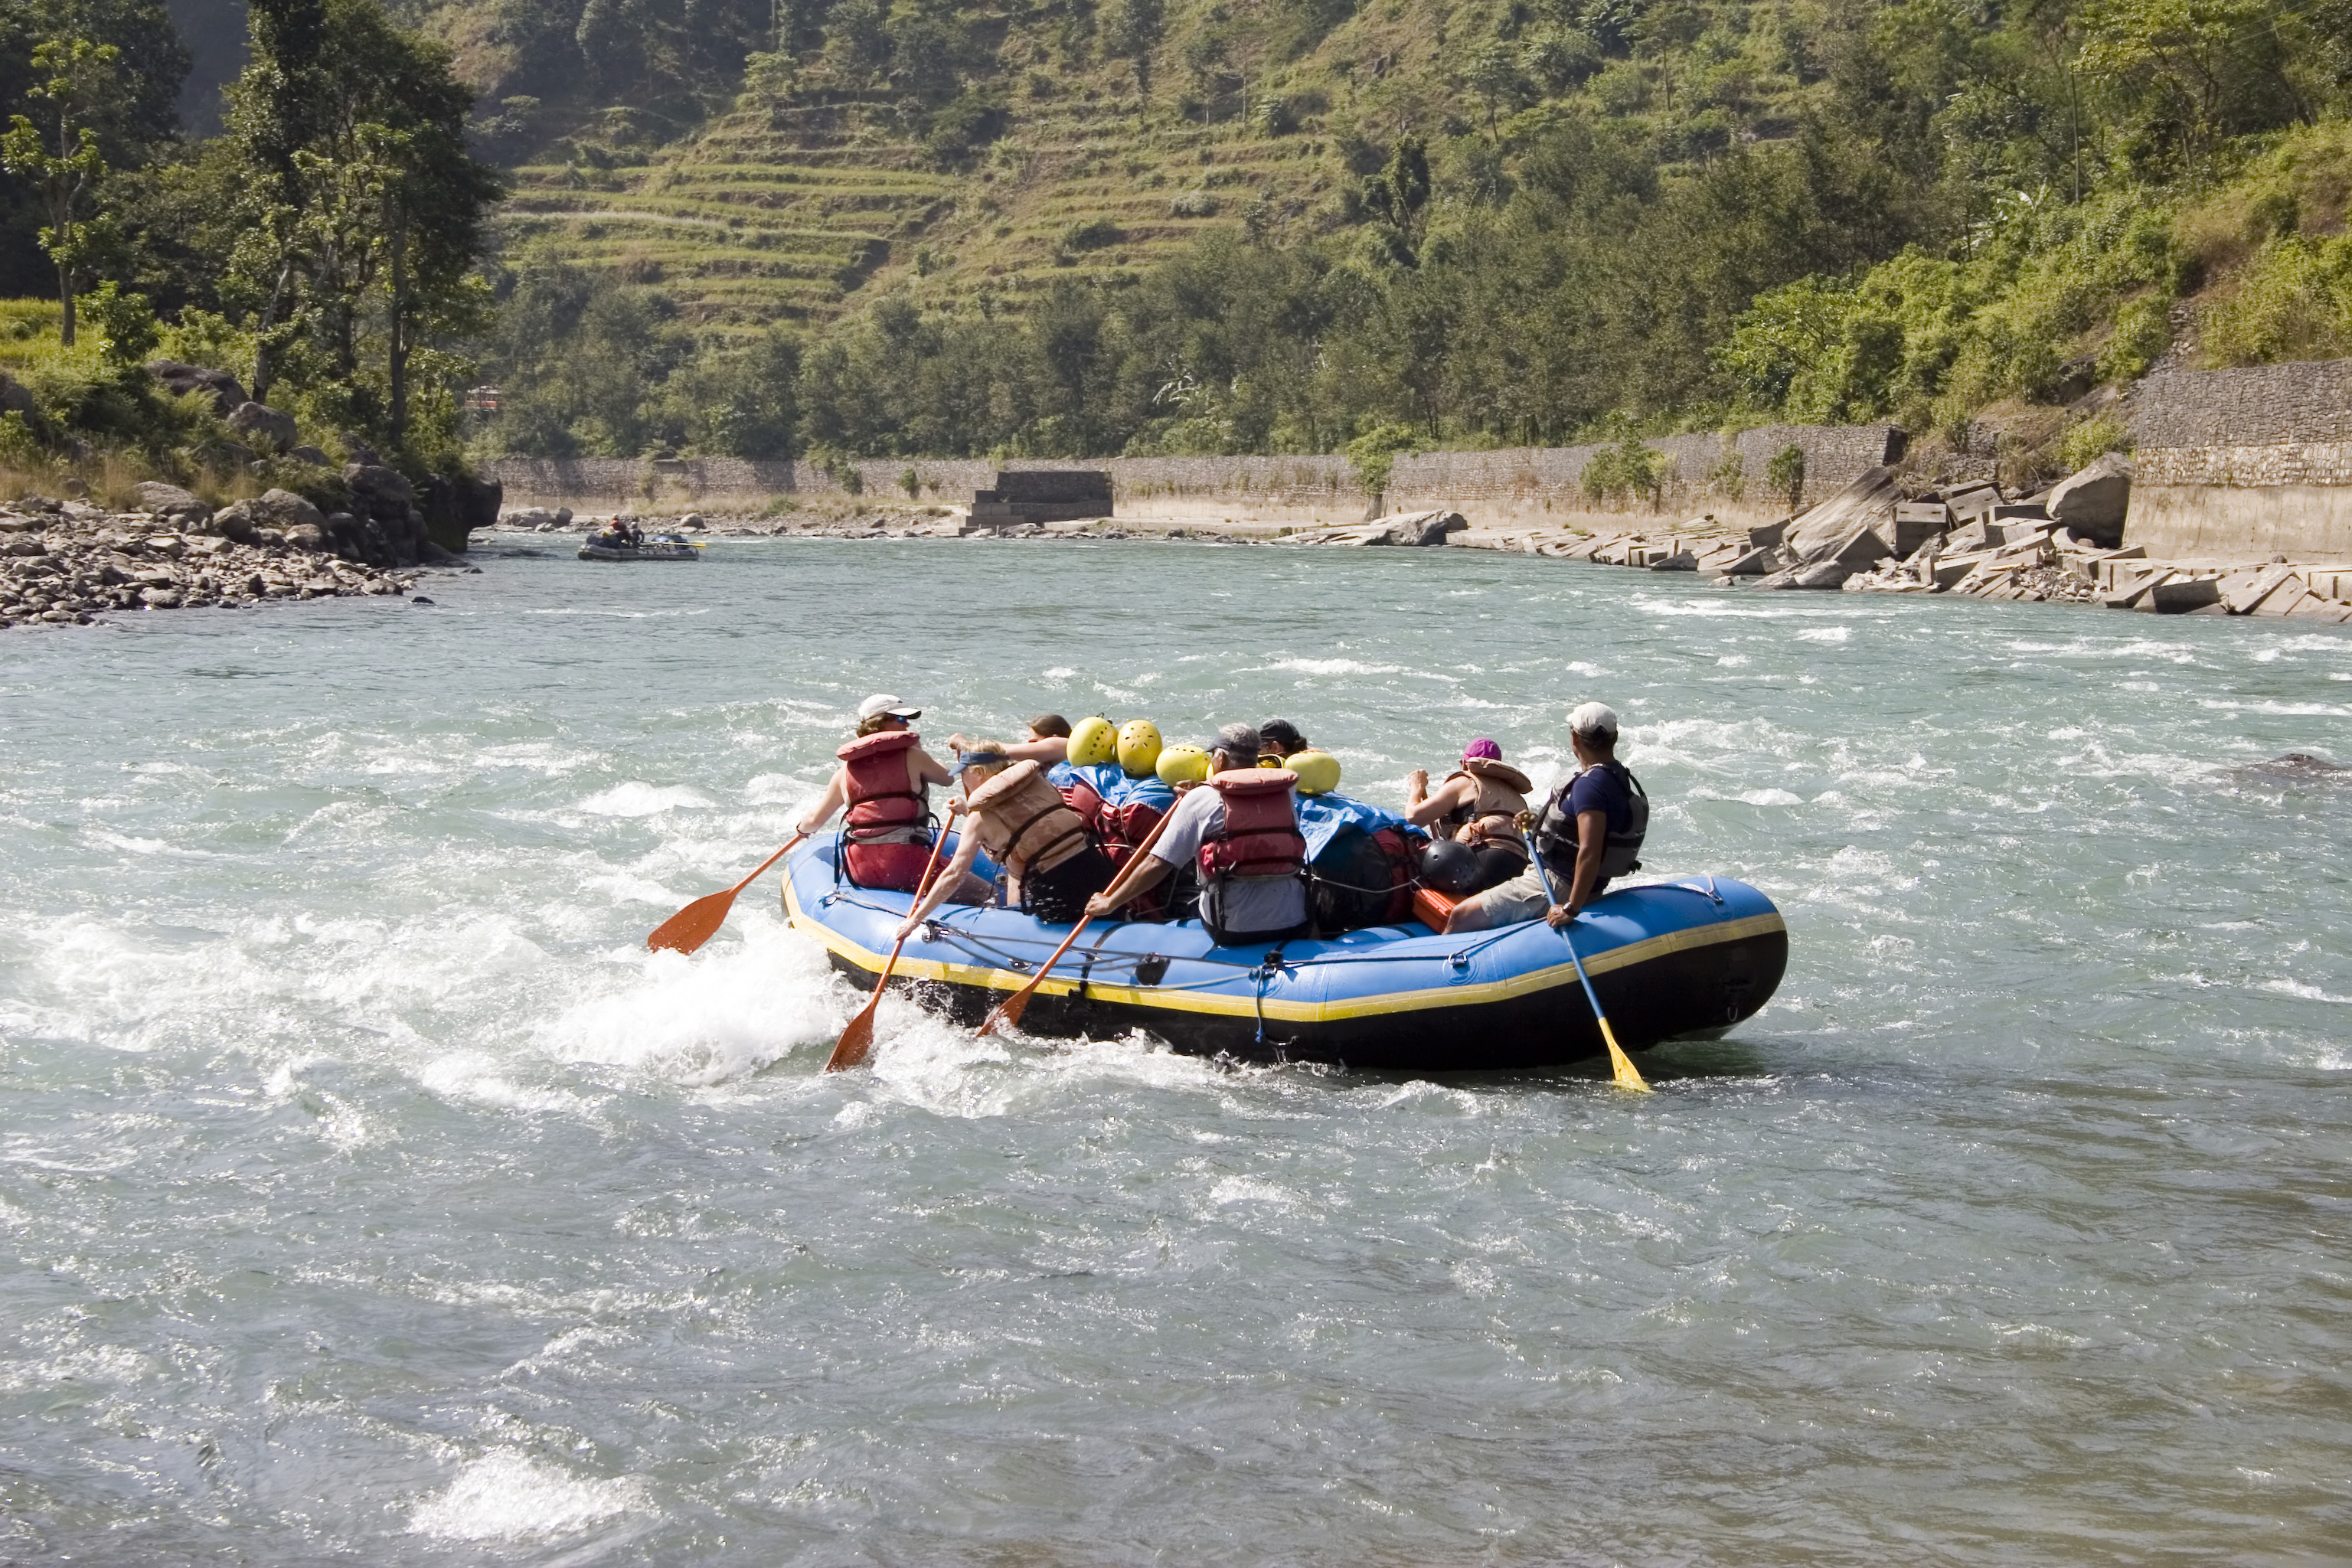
point(2087, 440)
point(1629, 470)
point(1786, 474)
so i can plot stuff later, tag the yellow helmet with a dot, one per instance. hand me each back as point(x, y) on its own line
point(1180, 764)
point(1318, 771)
point(1093, 741)
point(1139, 747)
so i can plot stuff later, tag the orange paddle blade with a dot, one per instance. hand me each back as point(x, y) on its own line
point(695, 924)
point(857, 1039)
point(699, 920)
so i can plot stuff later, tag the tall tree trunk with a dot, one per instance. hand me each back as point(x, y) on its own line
point(66, 301)
point(396, 352)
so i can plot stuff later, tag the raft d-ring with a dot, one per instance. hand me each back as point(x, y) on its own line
point(1459, 960)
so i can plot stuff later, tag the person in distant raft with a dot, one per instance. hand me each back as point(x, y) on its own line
point(1242, 831)
point(885, 781)
point(1590, 832)
point(1052, 865)
point(1474, 817)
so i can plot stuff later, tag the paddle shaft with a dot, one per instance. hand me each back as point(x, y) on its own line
point(1008, 1012)
point(857, 1035)
point(1621, 1065)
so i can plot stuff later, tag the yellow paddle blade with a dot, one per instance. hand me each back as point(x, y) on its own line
point(1621, 1068)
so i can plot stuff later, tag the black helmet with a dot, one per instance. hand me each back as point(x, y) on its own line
point(1449, 866)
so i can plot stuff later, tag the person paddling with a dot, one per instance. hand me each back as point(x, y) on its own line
point(1052, 865)
point(884, 781)
point(1242, 832)
point(1477, 808)
point(1590, 831)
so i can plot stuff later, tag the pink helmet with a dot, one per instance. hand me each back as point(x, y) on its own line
point(1484, 748)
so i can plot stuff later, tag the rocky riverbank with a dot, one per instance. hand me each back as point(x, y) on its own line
point(67, 563)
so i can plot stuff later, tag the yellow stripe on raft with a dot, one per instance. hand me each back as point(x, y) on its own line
point(1178, 1001)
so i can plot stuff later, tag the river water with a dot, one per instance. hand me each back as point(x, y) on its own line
point(371, 1195)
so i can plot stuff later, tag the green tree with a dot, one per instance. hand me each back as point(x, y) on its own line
point(1132, 29)
point(61, 156)
point(363, 214)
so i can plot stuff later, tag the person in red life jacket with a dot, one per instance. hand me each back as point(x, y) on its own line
point(884, 783)
point(1046, 743)
point(1477, 808)
point(1589, 830)
point(1051, 863)
point(1240, 828)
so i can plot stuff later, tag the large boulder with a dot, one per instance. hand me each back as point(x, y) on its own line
point(286, 511)
point(1415, 528)
point(179, 380)
point(175, 505)
point(264, 426)
point(2091, 503)
point(1867, 503)
point(382, 493)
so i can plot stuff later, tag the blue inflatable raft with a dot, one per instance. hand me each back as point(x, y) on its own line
point(1668, 960)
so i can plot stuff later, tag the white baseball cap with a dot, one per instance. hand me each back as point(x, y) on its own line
point(885, 703)
point(1593, 718)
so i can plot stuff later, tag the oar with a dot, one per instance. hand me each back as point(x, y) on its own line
point(858, 1038)
point(699, 920)
point(1008, 1012)
point(1621, 1065)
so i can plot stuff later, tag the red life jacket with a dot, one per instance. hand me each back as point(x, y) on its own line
point(1260, 836)
point(881, 799)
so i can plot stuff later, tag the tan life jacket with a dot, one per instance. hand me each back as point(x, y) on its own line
point(1023, 821)
point(1502, 793)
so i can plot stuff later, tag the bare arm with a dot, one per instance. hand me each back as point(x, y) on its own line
point(1141, 875)
point(922, 768)
point(1448, 796)
point(835, 791)
point(1591, 827)
point(959, 863)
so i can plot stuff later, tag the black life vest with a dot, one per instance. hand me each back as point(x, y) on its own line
point(1619, 851)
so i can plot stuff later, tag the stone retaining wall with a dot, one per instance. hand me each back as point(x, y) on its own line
point(2249, 462)
point(1512, 485)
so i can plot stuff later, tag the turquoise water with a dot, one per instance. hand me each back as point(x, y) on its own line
point(371, 1195)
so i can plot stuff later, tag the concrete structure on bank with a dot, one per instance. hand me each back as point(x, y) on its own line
point(1041, 495)
point(2251, 462)
point(1517, 486)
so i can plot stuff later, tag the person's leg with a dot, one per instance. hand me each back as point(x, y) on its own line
point(1520, 899)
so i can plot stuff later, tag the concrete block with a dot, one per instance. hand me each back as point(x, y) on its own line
point(1914, 523)
point(2312, 607)
point(2282, 602)
point(1770, 534)
point(2177, 595)
point(1973, 503)
point(1683, 560)
point(2242, 591)
point(2126, 588)
point(1755, 563)
point(1830, 574)
point(2019, 532)
point(1862, 548)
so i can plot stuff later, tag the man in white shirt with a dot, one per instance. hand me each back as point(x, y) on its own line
point(1235, 907)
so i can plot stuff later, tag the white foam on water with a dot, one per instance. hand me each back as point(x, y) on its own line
point(711, 1017)
point(1337, 667)
point(636, 799)
point(1825, 633)
point(2298, 988)
point(507, 1496)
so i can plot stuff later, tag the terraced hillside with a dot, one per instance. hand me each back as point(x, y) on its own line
point(796, 204)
